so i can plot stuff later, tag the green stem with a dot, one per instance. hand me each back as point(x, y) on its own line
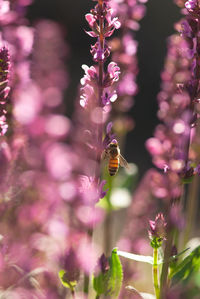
point(108, 234)
point(97, 296)
point(191, 208)
point(108, 219)
point(165, 267)
point(155, 273)
point(86, 279)
point(86, 284)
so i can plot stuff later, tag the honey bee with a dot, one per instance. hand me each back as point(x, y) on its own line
point(112, 154)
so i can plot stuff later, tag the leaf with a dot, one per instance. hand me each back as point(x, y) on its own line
point(173, 257)
point(146, 258)
point(136, 257)
point(65, 282)
point(109, 283)
point(116, 274)
point(189, 266)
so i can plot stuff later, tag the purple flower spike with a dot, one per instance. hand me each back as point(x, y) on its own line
point(4, 89)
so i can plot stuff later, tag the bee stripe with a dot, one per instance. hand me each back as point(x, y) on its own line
point(113, 170)
point(113, 166)
point(114, 161)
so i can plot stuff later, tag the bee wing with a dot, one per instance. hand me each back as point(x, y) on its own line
point(105, 155)
point(123, 162)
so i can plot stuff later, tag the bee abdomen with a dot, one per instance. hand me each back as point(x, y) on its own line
point(113, 166)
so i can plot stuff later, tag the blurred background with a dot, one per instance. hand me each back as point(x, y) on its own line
point(156, 26)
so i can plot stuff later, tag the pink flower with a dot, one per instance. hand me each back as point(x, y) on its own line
point(90, 74)
point(113, 71)
point(191, 4)
point(3, 125)
point(90, 190)
point(109, 97)
point(112, 22)
point(87, 93)
point(90, 19)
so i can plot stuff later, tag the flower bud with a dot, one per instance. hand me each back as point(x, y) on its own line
point(157, 231)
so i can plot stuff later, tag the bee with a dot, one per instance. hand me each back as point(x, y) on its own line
point(112, 154)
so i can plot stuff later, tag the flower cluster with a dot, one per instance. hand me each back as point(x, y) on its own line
point(110, 24)
point(102, 24)
point(169, 147)
point(178, 100)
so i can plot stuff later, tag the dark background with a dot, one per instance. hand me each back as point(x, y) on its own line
point(156, 26)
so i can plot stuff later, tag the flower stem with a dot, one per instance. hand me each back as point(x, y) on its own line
point(165, 267)
point(86, 280)
point(97, 296)
point(86, 284)
point(108, 219)
point(155, 273)
point(73, 293)
point(191, 208)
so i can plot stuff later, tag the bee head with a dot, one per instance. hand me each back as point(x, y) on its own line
point(113, 144)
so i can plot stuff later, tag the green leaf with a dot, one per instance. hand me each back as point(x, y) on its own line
point(136, 257)
point(189, 266)
point(146, 258)
point(109, 283)
point(100, 284)
point(174, 257)
point(116, 274)
point(65, 282)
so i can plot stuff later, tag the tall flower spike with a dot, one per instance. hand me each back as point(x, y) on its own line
point(102, 23)
point(4, 89)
